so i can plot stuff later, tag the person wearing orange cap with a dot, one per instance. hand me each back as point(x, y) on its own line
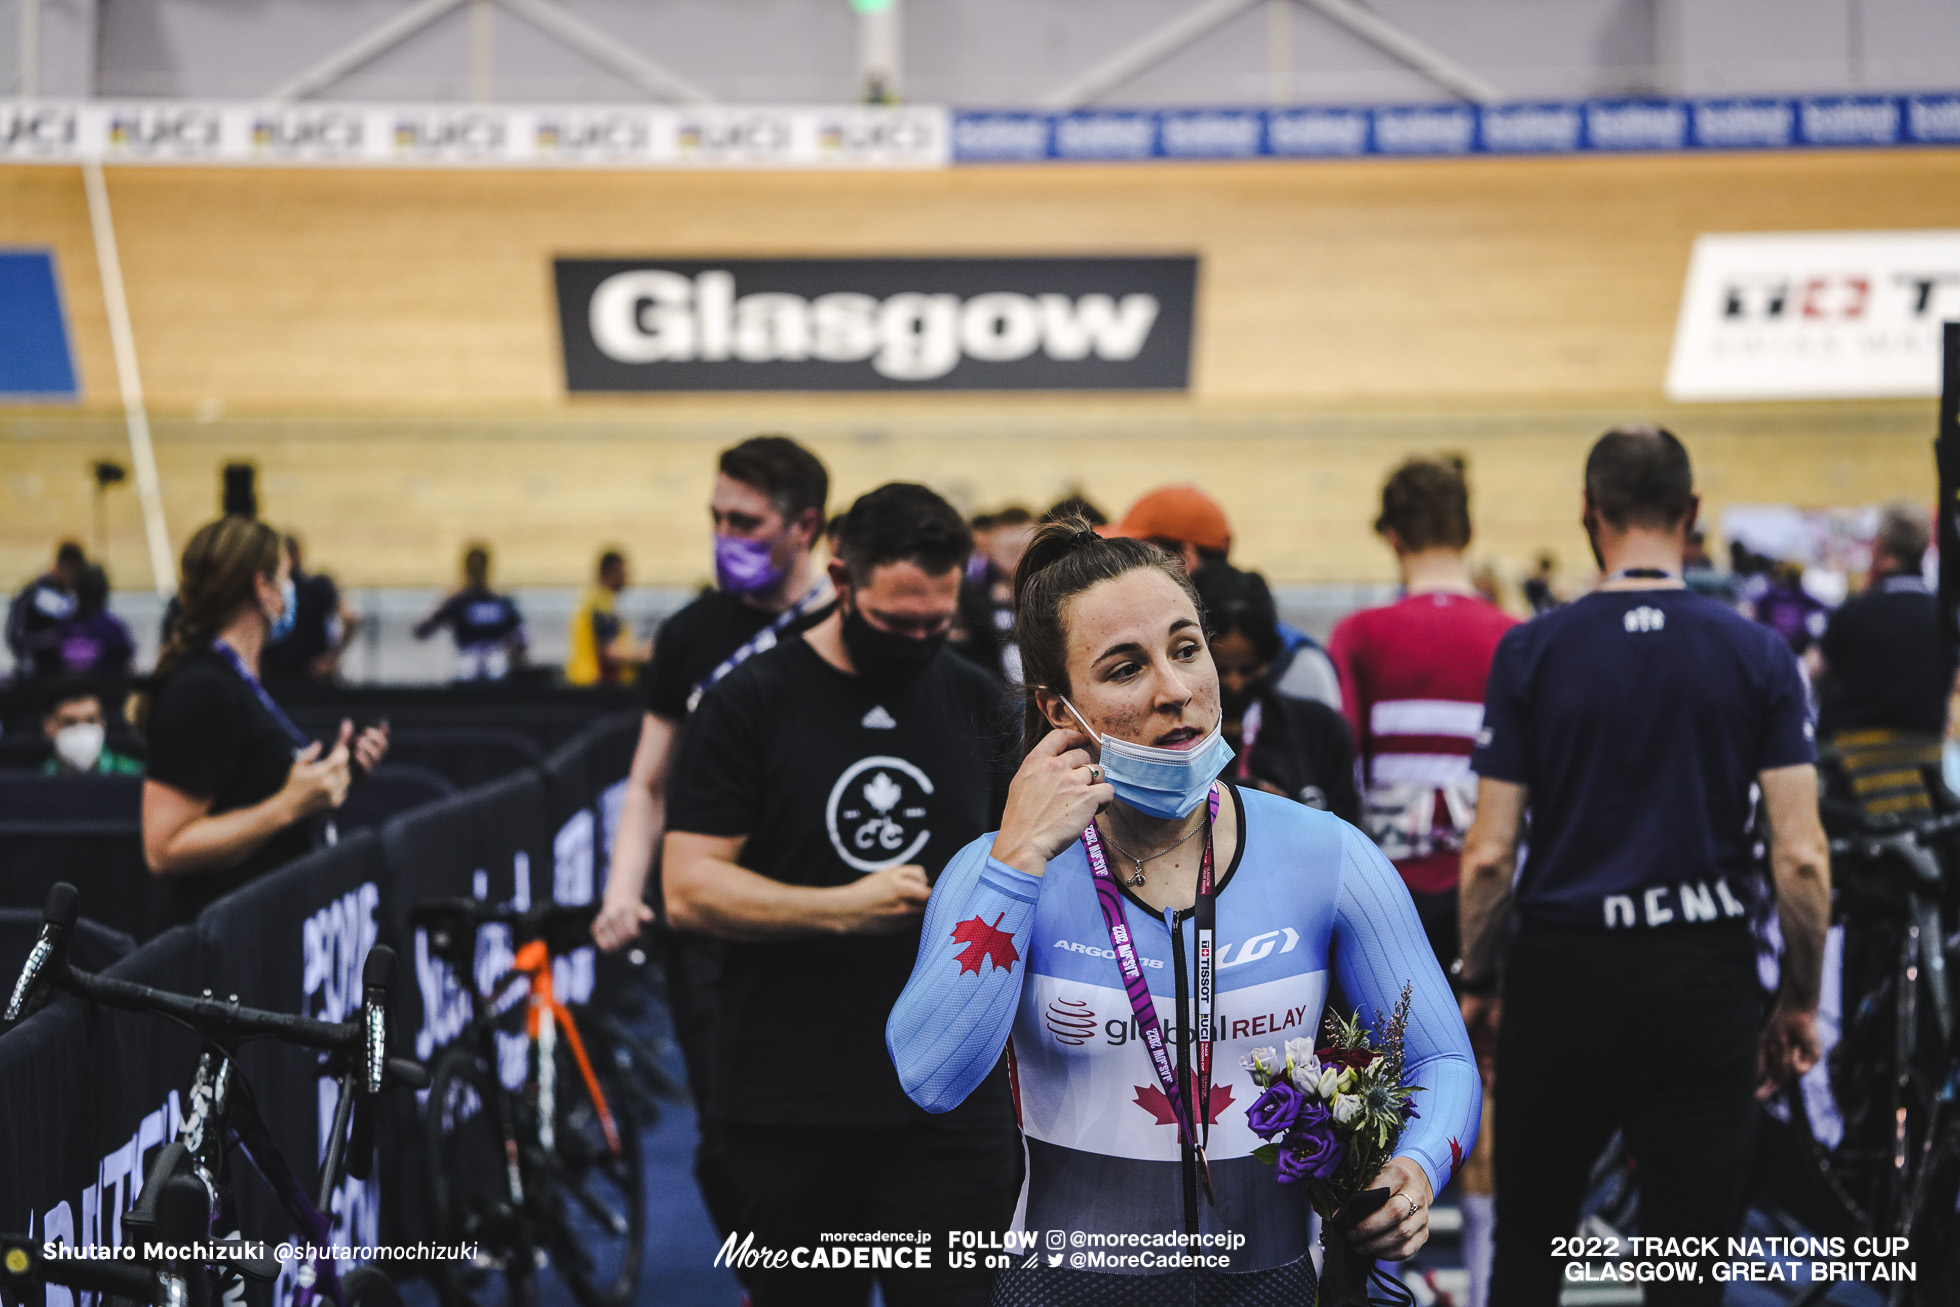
point(1192, 525)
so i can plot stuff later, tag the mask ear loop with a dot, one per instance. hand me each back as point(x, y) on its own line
point(1079, 721)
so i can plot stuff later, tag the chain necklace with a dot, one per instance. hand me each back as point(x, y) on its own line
point(1135, 880)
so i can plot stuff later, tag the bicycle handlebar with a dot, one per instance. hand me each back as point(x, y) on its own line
point(364, 1035)
point(562, 926)
point(1917, 835)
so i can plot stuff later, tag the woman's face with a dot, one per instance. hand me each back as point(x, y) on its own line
point(272, 589)
point(1138, 668)
point(1240, 670)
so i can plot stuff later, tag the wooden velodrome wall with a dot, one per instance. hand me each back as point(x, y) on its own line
point(383, 345)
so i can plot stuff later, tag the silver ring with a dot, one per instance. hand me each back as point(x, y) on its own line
point(1095, 773)
point(1413, 1208)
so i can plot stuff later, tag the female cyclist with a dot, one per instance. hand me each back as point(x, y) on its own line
point(1117, 852)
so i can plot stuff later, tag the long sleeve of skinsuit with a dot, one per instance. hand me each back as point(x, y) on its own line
point(948, 1028)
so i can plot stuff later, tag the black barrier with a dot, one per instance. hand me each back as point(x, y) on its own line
point(89, 1094)
point(464, 755)
point(86, 830)
point(81, 1085)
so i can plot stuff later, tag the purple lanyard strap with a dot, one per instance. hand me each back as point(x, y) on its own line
point(230, 655)
point(1110, 898)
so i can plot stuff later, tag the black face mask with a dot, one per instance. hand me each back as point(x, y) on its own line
point(883, 656)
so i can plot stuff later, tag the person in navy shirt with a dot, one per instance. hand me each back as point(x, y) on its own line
point(1635, 726)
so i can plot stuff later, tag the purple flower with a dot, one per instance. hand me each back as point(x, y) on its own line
point(1314, 1153)
point(1409, 1112)
point(1275, 1111)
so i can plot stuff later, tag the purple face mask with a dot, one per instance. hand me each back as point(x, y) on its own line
point(744, 566)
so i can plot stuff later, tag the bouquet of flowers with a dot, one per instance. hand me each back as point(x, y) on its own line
point(1331, 1117)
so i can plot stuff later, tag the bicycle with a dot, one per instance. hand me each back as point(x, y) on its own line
point(1896, 1169)
point(187, 1189)
point(547, 1174)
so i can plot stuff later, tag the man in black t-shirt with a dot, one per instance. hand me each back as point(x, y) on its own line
point(1633, 723)
point(818, 789)
point(1884, 668)
point(768, 509)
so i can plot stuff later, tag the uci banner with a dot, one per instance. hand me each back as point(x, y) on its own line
point(877, 324)
point(1815, 315)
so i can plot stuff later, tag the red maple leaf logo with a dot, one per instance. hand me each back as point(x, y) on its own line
point(980, 942)
point(1456, 1155)
point(1151, 1099)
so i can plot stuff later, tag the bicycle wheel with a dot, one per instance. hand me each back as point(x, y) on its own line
point(595, 1197)
point(469, 1188)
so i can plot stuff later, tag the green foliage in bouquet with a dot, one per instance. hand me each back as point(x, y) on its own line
point(1332, 1115)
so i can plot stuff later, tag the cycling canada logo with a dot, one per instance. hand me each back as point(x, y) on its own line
point(877, 813)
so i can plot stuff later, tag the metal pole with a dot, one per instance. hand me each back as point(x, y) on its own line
point(30, 49)
point(123, 340)
point(1145, 53)
point(483, 50)
point(1406, 49)
point(378, 41)
point(1279, 51)
point(607, 51)
point(878, 50)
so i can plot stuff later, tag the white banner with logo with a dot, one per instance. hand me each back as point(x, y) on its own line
point(1815, 315)
point(436, 135)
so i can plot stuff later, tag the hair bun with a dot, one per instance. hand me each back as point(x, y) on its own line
point(1085, 537)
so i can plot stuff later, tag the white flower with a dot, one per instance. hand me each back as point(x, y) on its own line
point(1262, 1062)
point(1330, 1082)
point(1346, 1107)
point(1299, 1052)
point(1306, 1072)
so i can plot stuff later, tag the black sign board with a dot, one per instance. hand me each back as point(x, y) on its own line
point(877, 324)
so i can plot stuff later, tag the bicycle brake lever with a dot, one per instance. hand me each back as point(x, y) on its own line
point(376, 975)
point(401, 1071)
point(50, 951)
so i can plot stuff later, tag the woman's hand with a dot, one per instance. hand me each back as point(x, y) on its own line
point(618, 922)
point(1054, 796)
point(317, 783)
point(1398, 1228)
point(370, 746)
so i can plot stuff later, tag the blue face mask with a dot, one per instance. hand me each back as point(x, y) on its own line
point(1165, 783)
point(282, 625)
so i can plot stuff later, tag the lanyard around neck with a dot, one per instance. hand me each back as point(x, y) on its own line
point(1193, 1117)
point(762, 641)
point(230, 655)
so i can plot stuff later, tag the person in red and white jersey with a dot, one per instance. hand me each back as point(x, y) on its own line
point(1412, 685)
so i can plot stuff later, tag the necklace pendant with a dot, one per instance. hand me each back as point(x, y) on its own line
point(1136, 877)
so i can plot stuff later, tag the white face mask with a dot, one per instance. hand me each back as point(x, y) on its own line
point(79, 746)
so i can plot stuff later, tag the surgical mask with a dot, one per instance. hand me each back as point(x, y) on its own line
point(282, 625)
point(884, 655)
point(79, 746)
point(745, 567)
point(1165, 783)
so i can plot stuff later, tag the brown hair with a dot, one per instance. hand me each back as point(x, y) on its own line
point(219, 568)
point(1426, 502)
point(1904, 534)
point(1064, 559)
point(1639, 476)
